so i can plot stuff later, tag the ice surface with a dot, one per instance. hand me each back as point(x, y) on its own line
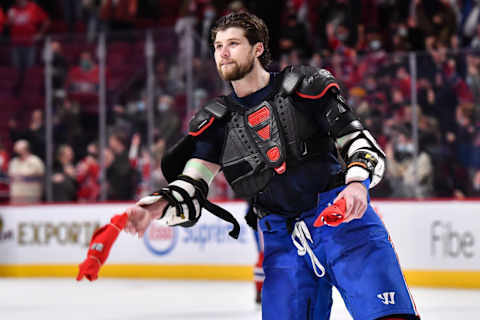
point(121, 299)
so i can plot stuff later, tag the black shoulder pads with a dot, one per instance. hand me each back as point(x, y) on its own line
point(292, 78)
point(204, 118)
point(316, 83)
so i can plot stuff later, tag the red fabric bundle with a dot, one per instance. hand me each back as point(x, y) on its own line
point(332, 215)
point(100, 245)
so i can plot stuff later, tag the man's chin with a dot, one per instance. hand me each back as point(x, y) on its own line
point(229, 76)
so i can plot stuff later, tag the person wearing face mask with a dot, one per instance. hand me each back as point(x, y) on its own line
point(209, 15)
point(402, 169)
point(83, 78)
point(168, 123)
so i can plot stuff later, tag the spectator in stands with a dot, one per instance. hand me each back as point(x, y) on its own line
point(316, 60)
point(236, 6)
point(167, 79)
point(125, 118)
point(67, 126)
point(64, 182)
point(209, 17)
point(167, 124)
point(475, 189)
point(26, 173)
point(36, 133)
point(84, 78)
point(444, 20)
point(465, 134)
point(88, 174)
point(59, 70)
point(28, 24)
point(408, 181)
point(91, 9)
point(473, 81)
point(120, 174)
point(293, 35)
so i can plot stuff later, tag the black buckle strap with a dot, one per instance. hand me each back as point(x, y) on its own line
point(202, 190)
point(224, 215)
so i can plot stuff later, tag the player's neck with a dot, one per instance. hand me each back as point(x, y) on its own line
point(255, 80)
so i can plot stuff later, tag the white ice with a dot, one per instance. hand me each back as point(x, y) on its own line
point(114, 299)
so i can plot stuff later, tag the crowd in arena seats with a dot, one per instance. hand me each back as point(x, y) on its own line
point(364, 43)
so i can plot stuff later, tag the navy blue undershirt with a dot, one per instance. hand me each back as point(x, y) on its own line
point(292, 192)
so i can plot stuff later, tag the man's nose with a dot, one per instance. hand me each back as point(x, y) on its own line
point(225, 52)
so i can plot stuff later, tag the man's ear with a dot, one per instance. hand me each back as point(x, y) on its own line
point(259, 48)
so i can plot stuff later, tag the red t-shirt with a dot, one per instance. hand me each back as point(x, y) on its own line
point(82, 81)
point(2, 19)
point(25, 22)
point(88, 175)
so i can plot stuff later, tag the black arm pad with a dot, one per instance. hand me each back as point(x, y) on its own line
point(341, 119)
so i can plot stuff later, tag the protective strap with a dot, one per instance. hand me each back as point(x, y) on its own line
point(202, 189)
point(166, 193)
point(188, 201)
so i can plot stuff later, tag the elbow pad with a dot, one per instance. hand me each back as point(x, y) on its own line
point(363, 156)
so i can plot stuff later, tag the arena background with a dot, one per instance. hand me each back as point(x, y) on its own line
point(125, 77)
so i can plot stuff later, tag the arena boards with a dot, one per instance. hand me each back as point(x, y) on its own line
point(436, 241)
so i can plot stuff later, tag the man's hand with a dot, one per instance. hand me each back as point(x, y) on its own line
point(139, 218)
point(355, 195)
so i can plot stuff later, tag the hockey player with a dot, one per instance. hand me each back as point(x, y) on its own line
point(276, 138)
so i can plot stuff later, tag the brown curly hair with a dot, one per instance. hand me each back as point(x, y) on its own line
point(255, 31)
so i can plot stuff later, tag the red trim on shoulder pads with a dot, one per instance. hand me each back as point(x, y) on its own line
point(321, 93)
point(203, 128)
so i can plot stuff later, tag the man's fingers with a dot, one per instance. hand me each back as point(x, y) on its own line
point(339, 196)
point(349, 212)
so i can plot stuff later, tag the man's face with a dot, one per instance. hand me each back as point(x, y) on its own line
point(21, 147)
point(234, 56)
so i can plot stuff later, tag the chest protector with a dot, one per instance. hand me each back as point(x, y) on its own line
point(267, 139)
point(260, 142)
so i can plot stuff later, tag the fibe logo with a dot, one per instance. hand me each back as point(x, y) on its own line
point(160, 239)
point(449, 242)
